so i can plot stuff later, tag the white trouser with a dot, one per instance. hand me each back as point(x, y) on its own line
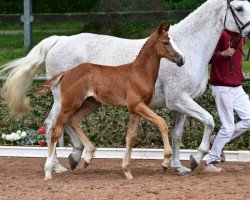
point(228, 100)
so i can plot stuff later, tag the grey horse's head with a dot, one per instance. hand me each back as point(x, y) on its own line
point(237, 18)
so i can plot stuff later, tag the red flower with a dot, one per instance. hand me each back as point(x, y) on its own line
point(42, 143)
point(41, 130)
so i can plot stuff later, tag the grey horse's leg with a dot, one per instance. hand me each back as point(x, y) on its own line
point(75, 156)
point(89, 106)
point(189, 107)
point(177, 133)
point(49, 121)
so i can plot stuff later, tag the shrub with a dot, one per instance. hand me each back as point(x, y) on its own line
point(108, 126)
point(182, 4)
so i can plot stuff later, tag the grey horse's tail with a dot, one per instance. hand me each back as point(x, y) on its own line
point(21, 73)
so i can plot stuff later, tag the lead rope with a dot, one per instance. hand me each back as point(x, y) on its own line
point(234, 44)
point(248, 55)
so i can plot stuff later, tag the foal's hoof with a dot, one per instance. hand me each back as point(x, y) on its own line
point(47, 176)
point(193, 163)
point(72, 162)
point(165, 166)
point(128, 175)
point(85, 164)
point(164, 169)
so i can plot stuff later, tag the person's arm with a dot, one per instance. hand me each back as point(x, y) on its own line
point(220, 51)
point(217, 52)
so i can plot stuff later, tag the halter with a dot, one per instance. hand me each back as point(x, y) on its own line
point(238, 22)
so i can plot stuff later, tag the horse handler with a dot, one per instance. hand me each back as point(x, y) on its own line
point(226, 78)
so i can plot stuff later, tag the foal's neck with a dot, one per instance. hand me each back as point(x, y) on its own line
point(148, 61)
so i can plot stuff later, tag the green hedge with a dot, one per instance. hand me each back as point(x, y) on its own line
point(182, 4)
point(62, 6)
point(107, 127)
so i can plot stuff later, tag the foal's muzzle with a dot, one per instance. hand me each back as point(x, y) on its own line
point(179, 60)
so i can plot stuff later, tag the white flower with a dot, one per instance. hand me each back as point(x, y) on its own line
point(3, 136)
point(14, 137)
point(8, 137)
point(23, 134)
point(19, 132)
point(17, 137)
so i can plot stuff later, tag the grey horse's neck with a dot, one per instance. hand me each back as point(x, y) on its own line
point(198, 34)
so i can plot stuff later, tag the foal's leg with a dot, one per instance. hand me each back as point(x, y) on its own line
point(142, 110)
point(78, 147)
point(88, 106)
point(67, 109)
point(131, 136)
point(176, 140)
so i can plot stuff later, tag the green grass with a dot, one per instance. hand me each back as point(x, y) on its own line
point(8, 55)
point(11, 45)
point(246, 64)
point(43, 26)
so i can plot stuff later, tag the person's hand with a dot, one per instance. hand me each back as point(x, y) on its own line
point(228, 53)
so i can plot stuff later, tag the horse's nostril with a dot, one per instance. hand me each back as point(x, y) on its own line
point(182, 60)
point(180, 64)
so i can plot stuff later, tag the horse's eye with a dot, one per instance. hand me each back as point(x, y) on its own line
point(165, 43)
point(239, 9)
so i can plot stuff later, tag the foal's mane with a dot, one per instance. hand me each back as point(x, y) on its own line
point(143, 46)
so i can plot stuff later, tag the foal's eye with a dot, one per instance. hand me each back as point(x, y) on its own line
point(239, 9)
point(166, 43)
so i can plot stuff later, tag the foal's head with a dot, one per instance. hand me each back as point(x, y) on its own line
point(166, 47)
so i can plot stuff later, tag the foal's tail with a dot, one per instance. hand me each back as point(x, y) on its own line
point(47, 86)
point(21, 74)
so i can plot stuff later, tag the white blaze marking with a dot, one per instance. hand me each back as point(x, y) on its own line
point(175, 47)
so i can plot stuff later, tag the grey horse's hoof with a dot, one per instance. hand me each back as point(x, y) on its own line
point(182, 170)
point(185, 172)
point(193, 163)
point(72, 162)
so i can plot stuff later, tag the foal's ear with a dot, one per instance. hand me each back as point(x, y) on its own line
point(164, 26)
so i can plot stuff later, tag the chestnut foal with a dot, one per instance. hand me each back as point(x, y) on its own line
point(131, 85)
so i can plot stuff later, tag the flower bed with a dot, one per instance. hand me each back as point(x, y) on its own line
point(28, 137)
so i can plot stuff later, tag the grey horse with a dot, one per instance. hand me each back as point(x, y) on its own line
point(176, 88)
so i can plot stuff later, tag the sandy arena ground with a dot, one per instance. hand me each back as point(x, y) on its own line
point(22, 178)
